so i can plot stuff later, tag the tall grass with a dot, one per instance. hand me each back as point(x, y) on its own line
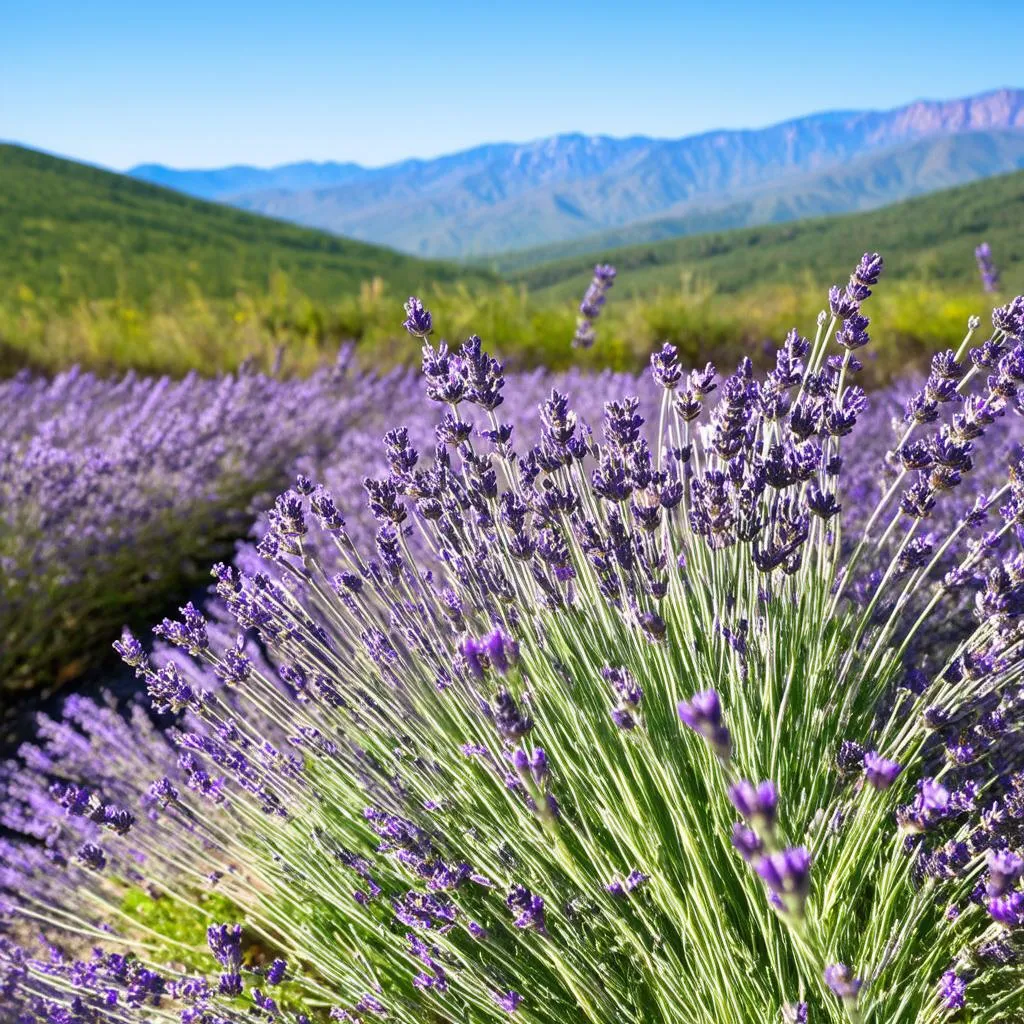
point(283, 328)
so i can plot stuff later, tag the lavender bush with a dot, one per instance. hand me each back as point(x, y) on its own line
point(690, 722)
point(114, 493)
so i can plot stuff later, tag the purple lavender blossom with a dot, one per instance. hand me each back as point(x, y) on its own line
point(703, 714)
point(418, 321)
point(788, 875)
point(879, 771)
point(953, 991)
point(747, 842)
point(592, 304)
point(508, 1001)
point(1005, 868)
point(1008, 910)
point(758, 804)
point(841, 980)
point(276, 971)
point(986, 268)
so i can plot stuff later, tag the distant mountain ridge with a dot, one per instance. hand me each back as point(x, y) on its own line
point(864, 183)
point(506, 196)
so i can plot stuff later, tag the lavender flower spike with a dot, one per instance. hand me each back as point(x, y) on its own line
point(794, 1013)
point(788, 875)
point(1005, 869)
point(758, 804)
point(986, 268)
point(508, 1001)
point(592, 304)
point(418, 321)
point(703, 714)
point(879, 771)
point(953, 991)
point(841, 980)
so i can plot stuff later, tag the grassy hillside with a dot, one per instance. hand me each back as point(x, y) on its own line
point(931, 237)
point(70, 232)
point(110, 273)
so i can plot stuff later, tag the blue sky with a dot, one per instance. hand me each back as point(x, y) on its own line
point(206, 84)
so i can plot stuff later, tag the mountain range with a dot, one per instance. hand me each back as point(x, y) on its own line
point(577, 192)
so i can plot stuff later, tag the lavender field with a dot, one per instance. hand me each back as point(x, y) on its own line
point(691, 696)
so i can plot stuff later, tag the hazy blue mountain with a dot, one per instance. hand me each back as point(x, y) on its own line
point(864, 183)
point(225, 182)
point(507, 196)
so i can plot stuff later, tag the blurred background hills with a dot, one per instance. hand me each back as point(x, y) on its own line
point(723, 240)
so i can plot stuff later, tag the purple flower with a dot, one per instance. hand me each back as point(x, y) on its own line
point(508, 1001)
point(624, 684)
point(230, 984)
point(528, 908)
point(1005, 869)
point(788, 875)
point(931, 804)
point(665, 368)
point(264, 1002)
point(276, 971)
point(371, 1004)
point(539, 767)
point(841, 980)
point(879, 771)
point(623, 719)
point(511, 723)
point(592, 304)
point(225, 942)
point(418, 321)
point(92, 857)
point(132, 652)
point(747, 842)
point(758, 804)
point(953, 991)
point(703, 714)
point(1008, 910)
point(473, 652)
point(635, 879)
point(502, 652)
point(987, 269)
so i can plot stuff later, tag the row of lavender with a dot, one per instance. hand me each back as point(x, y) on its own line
point(115, 495)
point(478, 746)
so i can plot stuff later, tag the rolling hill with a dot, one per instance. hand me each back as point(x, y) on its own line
point(931, 237)
point(503, 197)
point(70, 231)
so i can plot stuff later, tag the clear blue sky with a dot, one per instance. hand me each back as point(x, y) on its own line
point(202, 84)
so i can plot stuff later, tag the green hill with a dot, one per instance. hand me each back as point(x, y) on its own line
point(70, 232)
point(931, 237)
point(108, 272)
